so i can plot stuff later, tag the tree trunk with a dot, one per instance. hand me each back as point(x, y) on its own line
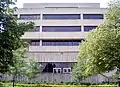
point(118, 83)
point(13, 81)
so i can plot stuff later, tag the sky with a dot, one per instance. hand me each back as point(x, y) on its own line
point(103, 3)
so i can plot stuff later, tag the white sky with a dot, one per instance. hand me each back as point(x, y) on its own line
point(103, 3)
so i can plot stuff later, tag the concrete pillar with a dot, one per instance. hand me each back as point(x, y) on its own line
point(40, 42)
point(82, 28)
point(81, 16)
point(40, 28)
point(41, 16)
point(18, 16)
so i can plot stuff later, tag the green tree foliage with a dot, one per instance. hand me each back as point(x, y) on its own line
point(10, 38)
point(100, 52)
point(23, 65)
point(20, 60)
point(33, 68)
point(9, 2)
point(20, 63)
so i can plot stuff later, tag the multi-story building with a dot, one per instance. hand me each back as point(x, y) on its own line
point(59, 30)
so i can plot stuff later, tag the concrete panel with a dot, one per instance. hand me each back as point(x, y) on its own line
point(77, 22)
point(62, 5)
point(53, 48)
point(57, 78)
point(54, 57)
point(54, 35)
point(61, 11)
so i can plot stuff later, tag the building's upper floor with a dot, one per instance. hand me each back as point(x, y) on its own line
point(60, 20)
point(54, 10)
point(59, 26)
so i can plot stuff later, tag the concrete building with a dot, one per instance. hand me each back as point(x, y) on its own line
point(59, 30)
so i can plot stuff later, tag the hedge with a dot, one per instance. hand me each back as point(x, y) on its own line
point(67, 86)
point(47, 85)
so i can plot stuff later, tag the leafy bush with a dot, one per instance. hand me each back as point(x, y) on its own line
point(1, 84)
point(60, 85)
point(46, 85)
point(5, 85)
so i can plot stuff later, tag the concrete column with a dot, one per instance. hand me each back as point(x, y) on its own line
point(82, 28)
point(41, 15)
point(81, 16)
point(18, 16)
point(40, 28)
point(40, 42)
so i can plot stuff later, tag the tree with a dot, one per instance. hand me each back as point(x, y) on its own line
point(77, 72)
point(10, 36)
point(20, 62)
point(101, 49)
point(33, 68)
point(23, 65)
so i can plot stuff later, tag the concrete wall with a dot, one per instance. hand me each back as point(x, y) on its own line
point(54, 56)
point(52, 49)
point(74, 5)
point(54, 35)
point(61, 11)
point(50, 77)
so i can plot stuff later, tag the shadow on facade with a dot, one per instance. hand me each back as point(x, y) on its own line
point(49, 68)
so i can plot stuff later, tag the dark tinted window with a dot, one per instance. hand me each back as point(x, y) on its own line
point(55, 71)
point(69, 70)
point(93, 16)
point(30, 16)
point(61, 28)
point(61, 43)
point(88, 28)
point(59, 70)
point(35, 43)
point(65, 70)
point(61, 16)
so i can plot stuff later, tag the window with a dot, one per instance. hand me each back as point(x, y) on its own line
point(66, 70)
point(35, 43)
point(61, 43)
point(59, 70)
point(69, 70)
point(93, 16)
point(61, 28)
point(88, 28)
point(56, 70)
point(61, 16)
point(30, 16)
point(36, 29)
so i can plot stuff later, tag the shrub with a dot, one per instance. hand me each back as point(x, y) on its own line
point(60, 85)
point(1, 84)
